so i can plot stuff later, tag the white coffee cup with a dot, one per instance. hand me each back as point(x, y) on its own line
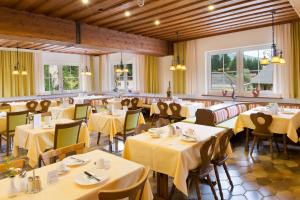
point(190, 131)
point(62, 167)
point(100, 164)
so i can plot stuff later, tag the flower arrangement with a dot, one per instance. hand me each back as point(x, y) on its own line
point(10, 171)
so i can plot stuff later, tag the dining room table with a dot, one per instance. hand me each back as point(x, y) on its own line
point(37, 140)
point(188, 109)
point(110, 123)
point(118, 173)
point(116, 102)
point(171, 155)
point(285, 122)
point(65, 111)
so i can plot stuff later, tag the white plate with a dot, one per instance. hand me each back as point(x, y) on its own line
point(188, 139)
point(64, 171)
point(69, 161)
point(83, 179)
point(288, 112)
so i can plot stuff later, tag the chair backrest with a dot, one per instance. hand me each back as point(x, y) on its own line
point(162, 122)
point(5, 107)
point(134, 103)
point(175, 109)
point(13, 163)
point(71, 100)
point(81, 111)
point(206, 152)
point(15, 119)
point(205, 117)
point(51, 156)
point(31, 106)
point(125, 102)
point(104, 102)
point(224, 141)
point(261, 122)
point(131, 120)
point(133, 192)
point(163, 109)
point(142, 128)
point(66, 134)
point(45, 104)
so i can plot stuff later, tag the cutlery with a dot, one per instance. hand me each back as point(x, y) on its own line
point(79, 160)
point(91, 176)
point(23, 173)
point(189, 136)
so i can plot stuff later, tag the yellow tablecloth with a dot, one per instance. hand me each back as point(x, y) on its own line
point(38, 140)
point(20, 106)
point(122, 173)
point(188, 109)
point(109, 124)
point(2, 124)
point(282, 123)
point(170, 155)
point(61, 112)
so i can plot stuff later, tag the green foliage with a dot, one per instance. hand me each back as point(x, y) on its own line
point(70, 77)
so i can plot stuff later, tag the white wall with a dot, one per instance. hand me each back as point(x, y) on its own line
point(221, 42)
point(164, 74)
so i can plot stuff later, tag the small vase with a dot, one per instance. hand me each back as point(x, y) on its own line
point(13, 190)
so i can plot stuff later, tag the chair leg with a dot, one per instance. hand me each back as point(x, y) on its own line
point(227, 174)
point(254, 142)
point(276, 143)
point(271, 146)
point(212, 187)
point(218, 181)
point(110, 145)
point(7, 145)
point(197, 184)
point(247, 140)
point(0, 144)
point(257, 145)
point(98, 140)
point(285, 150)
point(172, 191)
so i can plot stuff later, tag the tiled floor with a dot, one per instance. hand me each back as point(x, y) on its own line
point(254, 178)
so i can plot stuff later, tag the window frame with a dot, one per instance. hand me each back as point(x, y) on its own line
point(240, 91)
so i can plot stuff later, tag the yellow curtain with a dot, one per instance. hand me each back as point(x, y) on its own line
point(295, 35)
point(92, 67)
point(151, 74)
point(179, 77)
point(16, 85)
point(100, 73)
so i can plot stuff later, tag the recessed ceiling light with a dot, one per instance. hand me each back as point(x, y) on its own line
point(85, 1)
point(157, 22)
point(127, 13)
point(211, 7)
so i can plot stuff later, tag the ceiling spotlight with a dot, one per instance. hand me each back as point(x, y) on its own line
point(140, 3)
point(85, 1)
point(211, 7)
point(127, 13)
point(157, 22)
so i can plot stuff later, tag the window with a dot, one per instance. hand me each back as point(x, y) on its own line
point(122, 78)
point(239, 69)
point(59, 78)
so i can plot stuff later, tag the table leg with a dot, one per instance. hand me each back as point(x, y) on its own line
point(162, 186)
point(285, 150)
point(247, 139)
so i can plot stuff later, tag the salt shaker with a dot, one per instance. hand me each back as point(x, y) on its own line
point(30, 185)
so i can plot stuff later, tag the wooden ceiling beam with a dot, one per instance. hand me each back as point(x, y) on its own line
point(42, 29)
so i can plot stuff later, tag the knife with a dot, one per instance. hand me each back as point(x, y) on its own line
point(91, 175)
point(76, 159)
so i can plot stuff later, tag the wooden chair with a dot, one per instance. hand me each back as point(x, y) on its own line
point(142, 128)
point(204, 168)
point(71, 100)
point(130, 124)
point(133, 192)
point(162, 122)
point(20, 163)
point(13, 119)
point(31, 106)
point(205, 117)
point(163, 110)
point(262, 123)
point(125, 102)
point(45, 104)
point(134, 103)
point(51, 156)
point(104, 102)
point(220, 158)
point(175, 109)
point(5, 107)
point(66, 134)
point(81, 111)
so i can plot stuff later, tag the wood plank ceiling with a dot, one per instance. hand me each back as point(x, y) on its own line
point(191, 18)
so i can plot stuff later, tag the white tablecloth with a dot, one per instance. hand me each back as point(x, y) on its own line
point(61, 112)
point(282, 123)
point(170, 155)
point(122, 173)
point(38, 140)
point(80, 100)
point(188, 109)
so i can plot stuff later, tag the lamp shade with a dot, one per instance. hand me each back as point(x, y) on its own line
point(24, 73)
point(275, 60)
point(264, 61)
point(172, 68)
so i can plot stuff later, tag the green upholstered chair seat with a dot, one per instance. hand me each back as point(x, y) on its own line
point(228, 123)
